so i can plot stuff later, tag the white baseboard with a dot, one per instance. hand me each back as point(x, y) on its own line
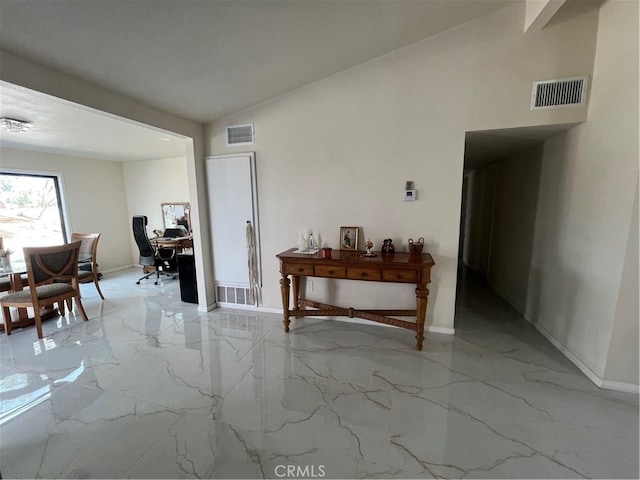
point(567, 353)
point(270, 310)
point(237, 306)
point(117, 269)
point(207, 308)
point(591, 375)
point(621, 387)
point(445, 330)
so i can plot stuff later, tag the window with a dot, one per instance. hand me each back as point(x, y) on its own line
point(31, 212)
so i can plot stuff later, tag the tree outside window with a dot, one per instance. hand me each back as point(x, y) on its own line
point(30, 211)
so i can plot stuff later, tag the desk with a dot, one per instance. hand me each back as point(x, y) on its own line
point(179, 243)
point(347, 265)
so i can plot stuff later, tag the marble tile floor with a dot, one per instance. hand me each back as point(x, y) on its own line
point(152, 388)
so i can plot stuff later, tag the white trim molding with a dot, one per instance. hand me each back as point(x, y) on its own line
point(238, 306)
point(207, 308)
point(445, 330)
point(621, 387)
point(117, 269)
point(590, 374)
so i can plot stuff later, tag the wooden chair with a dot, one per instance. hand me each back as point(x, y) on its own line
point(5, 284)
point(45, 265)
point(89, 247)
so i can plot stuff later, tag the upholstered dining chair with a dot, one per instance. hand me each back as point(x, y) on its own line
point(45, 265)
point(88, 248)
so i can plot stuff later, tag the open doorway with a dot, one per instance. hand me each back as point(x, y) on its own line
point(86, 147)
point(498, 215)
point(479, 196)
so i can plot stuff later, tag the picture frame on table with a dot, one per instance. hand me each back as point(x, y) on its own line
point(349, 238)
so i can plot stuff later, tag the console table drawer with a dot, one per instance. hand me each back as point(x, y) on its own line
point(399, 275)
point(358, 273)
point(298, 269)
point(330, 271)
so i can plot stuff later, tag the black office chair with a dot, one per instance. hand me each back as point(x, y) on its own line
point(163, 259)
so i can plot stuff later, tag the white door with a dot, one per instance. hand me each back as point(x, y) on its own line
point(231, 181)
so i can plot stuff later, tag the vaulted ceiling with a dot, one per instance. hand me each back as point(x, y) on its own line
point(201, 59)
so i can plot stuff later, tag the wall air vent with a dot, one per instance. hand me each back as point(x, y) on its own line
point(568, 92)
point(240, 135)
point(237, 295)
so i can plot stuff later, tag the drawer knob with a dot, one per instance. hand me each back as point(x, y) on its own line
point(364, 274)
point(301, 269)
point(330, 271)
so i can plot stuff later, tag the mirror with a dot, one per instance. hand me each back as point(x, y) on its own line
point(175, 214)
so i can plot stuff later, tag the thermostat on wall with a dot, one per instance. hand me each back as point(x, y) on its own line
point(409, 192)
point(409, 195)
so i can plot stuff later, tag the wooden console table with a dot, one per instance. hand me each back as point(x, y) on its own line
point(347, 265)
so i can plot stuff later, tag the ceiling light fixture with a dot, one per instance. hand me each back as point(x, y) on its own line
point(14, 126)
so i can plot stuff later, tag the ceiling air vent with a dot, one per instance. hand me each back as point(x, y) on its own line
point(240, 135)
point(568, 92)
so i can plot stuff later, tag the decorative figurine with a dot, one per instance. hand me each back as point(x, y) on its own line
point(369, 245)
point(385, 246)
point(415, 248)
point(390, 247)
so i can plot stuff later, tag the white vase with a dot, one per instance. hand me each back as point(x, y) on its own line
point(302, 243)
point(6, 262)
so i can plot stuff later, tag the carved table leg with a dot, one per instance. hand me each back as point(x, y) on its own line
point(295, 284)
point(284, 291)
point(422, 293)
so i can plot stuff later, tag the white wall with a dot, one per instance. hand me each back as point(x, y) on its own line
point(622, 360)
point(482, 199)
point(513, 225)
point(588, 182)
point(339, 151)
point(149, 183)
point(95, 197)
